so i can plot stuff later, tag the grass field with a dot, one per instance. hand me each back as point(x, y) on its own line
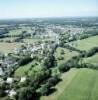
point(27, 68)
point(77, 84)
point(67, 54)
point(8, 47)
point(15, 32)
point(93, 59)
point(35, 39)
point(87, 43)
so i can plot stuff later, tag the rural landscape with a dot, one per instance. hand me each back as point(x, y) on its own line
point(49, 59)
point(48, 49)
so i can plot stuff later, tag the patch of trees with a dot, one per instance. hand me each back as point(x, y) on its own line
point(72, 48)
point(48, 87)
point(24, 61)
point(92, 51)
point(76, 61)
point(65, 38)
point(26, 93)
point(49, 61)
point(2, 88)
point(64, 67)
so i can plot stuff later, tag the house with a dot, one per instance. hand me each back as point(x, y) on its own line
point(9, 80)
point(43, 46)
point(17, 50)
point(1, 71)
point(32, 55)
point(8, 60)
point(23, 79)
point(1, 81)
point(12, 93)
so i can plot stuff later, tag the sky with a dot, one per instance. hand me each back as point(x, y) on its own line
point(47, 8)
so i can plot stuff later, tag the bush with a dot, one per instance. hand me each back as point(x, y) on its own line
point(62, 52)
point(64, 67)
point(44, 90)
point(60, 58)
point(92, 51)
point(53, 80)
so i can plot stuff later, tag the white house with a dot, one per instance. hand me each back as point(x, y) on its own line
point(9, 80)
point(23, 79)
point(17, 50)
point(12, 93)
point(1, 80)
point(1, 72)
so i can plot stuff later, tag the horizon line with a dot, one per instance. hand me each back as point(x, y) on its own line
point(47, 17)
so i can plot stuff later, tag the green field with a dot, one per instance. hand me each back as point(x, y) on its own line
point(27, 68)
point(77, 84)
point(67, 54)
point(87, 43)
point(19, 31)
point(15, 32)
point(93, 59)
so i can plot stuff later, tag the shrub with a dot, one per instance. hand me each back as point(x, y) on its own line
point(53, 80)
point(44, 89)
point(64, 67)
point(60, 58)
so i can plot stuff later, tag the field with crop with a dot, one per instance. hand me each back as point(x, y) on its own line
point(8, 47)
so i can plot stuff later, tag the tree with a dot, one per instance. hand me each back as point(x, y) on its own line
point(54, 80)
point(44, 89)
point(26, 93)
point(64, 67)
point(2, 88)
point(49, 61)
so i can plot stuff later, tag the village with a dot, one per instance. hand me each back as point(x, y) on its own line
point(44, 52)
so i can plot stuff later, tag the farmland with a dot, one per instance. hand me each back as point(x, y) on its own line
point(77, 84)
point(49, 59)
point(93, 59)
point(27, 68)
point(66, 55)
point(86, 44)
point(8, 47)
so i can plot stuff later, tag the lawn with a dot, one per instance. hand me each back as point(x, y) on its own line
point(77, 84)
point(87, 43)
